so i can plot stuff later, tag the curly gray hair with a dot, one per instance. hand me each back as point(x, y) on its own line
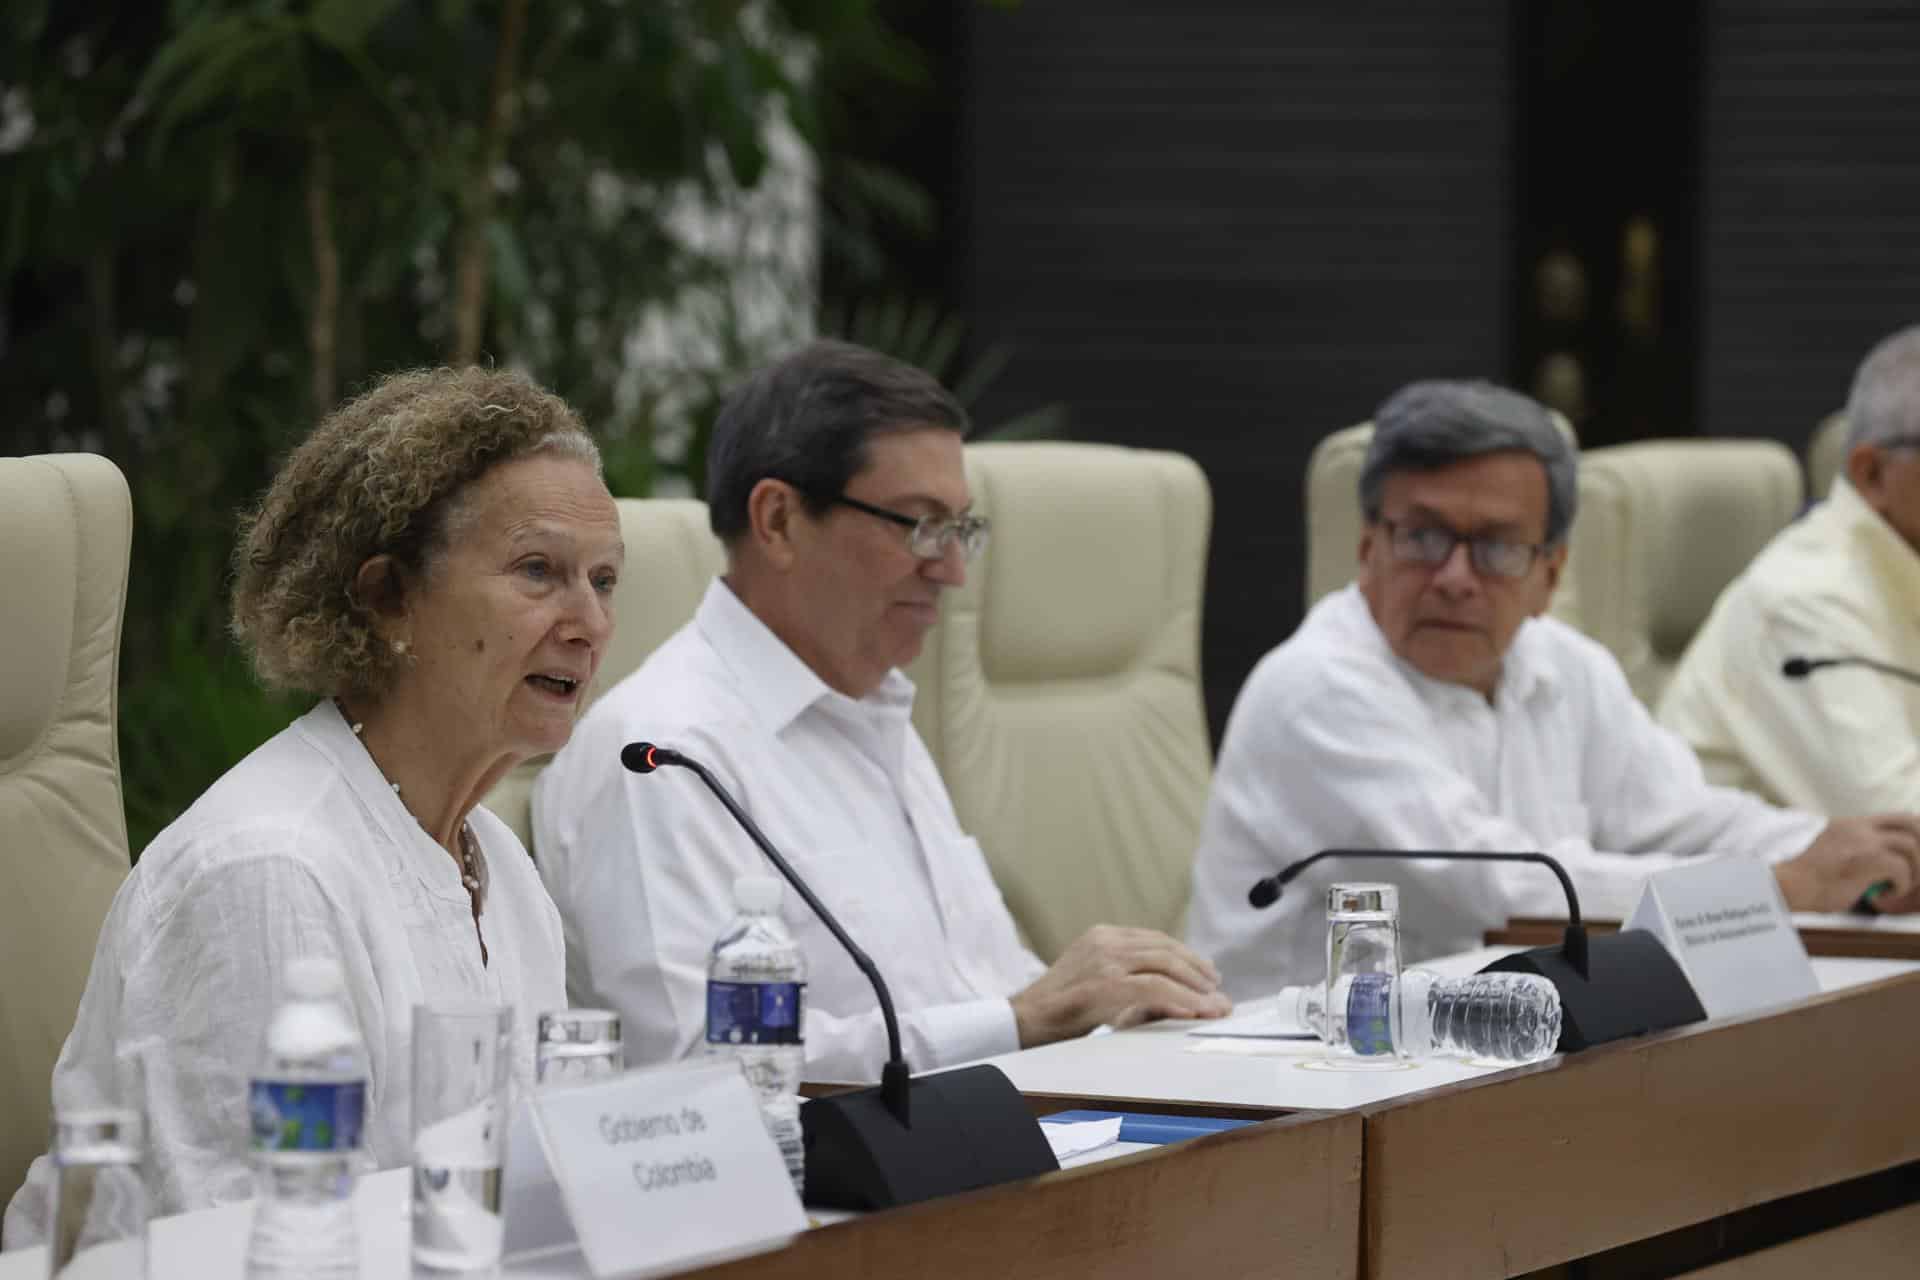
point(381, 475)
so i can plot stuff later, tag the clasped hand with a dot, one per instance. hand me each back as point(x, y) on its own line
point(1850, 856)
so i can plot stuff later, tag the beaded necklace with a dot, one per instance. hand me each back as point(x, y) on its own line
point(469, 847)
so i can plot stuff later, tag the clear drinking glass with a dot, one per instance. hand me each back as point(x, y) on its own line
point(1363, 938)
point(576, 1045)
point(462, 1071)
point(99, 1219)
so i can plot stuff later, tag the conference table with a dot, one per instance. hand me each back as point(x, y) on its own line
point(1642, 1154)
point(1133, 1215)
point(1775, 1144)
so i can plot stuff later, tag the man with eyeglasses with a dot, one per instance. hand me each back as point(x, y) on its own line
point(1844, 581)
point(836, 482)
point(1431, 706)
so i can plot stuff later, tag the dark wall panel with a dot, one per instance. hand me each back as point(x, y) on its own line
point(1229, 229)
point(1811, 220)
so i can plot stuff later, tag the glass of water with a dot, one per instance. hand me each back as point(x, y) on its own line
point(99, 1219)
point(576, 1045)
point(1363, 943)
point(462, 1071)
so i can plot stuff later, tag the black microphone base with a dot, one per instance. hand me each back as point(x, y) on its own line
point(1633, 985)
point(970, 1128)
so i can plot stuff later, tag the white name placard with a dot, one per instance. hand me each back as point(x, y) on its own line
point(666, 1168)
point(1726, 923)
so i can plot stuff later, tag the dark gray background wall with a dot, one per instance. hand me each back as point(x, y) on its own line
point(1229, 229)
point(1810, 209)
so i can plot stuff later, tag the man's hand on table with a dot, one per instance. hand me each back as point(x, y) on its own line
point(1850, 856)
point(1121, 977)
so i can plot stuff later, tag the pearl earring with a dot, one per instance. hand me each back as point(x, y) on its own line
point(400, 647)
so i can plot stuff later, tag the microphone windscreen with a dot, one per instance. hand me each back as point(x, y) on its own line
point(1264, 893)
point(638, 756)
point(1795, 668)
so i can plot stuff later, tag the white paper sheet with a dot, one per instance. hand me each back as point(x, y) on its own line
point(1261, 1019)
point(1077, 1137)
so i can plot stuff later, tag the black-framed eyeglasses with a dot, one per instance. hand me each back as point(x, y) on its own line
point(928, 537)
point(1432, 544)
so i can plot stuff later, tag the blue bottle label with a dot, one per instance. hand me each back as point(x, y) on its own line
point(306, 1117)
point(754, 1012)
point(1369, 1026)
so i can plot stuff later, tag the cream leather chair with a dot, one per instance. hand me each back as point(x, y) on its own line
point(66, 523)
point(1060, 692)
point(671, 557)
point(1333, 510)
point(1826, 454)
point(1664, 526)
point(1333, 507)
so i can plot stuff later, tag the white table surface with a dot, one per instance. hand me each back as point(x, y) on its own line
point(212, 1243)
point(1162, 1063)
point(1155, 1062)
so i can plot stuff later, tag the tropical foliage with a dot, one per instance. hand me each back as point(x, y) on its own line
point(220, 216)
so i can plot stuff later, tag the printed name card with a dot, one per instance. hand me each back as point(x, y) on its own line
point(666, 1168)
point(1726, 923)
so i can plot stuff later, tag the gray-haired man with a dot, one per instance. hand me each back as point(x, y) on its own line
point(1843, 581)
point(1431, 706)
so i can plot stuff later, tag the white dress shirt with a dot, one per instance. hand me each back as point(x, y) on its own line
point(1840, 581)
point(300, 849)
point(643, 867)
point(1336, 743)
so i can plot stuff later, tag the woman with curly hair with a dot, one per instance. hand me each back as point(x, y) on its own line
point(436, 565)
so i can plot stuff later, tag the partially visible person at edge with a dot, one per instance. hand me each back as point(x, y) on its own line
point(1430, 705)
point(1843, 581)
point(436, 564)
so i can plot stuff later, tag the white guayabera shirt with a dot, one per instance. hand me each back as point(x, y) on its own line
point(1336, 743)
point(643, 867)
point(1840, 581)
point(301, 849)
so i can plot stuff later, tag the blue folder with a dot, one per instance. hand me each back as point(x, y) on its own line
point(1154, 1129)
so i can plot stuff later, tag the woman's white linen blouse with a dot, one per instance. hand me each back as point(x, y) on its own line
point(301, 849)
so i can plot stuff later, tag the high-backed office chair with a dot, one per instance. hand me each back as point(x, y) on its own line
point(1333, 511)
point(1060, 692)
point(1333, 507)
point(66, 522)
point(671, 557)
point(1826, 454)
point(1664, 526)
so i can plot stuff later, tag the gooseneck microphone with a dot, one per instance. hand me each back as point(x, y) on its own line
point(1800, 668)
point(645, 757)
point(1267, 892)
point(1611, 986)
point(873, 1149)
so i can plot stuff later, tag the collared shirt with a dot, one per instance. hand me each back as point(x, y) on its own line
point(300, 849)
point(643, 867)
point(1846, 741)
point(1336, 743)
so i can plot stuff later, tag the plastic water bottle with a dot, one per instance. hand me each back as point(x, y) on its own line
point(756, 983)
point(1506, 1017)
point(307, 1102)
